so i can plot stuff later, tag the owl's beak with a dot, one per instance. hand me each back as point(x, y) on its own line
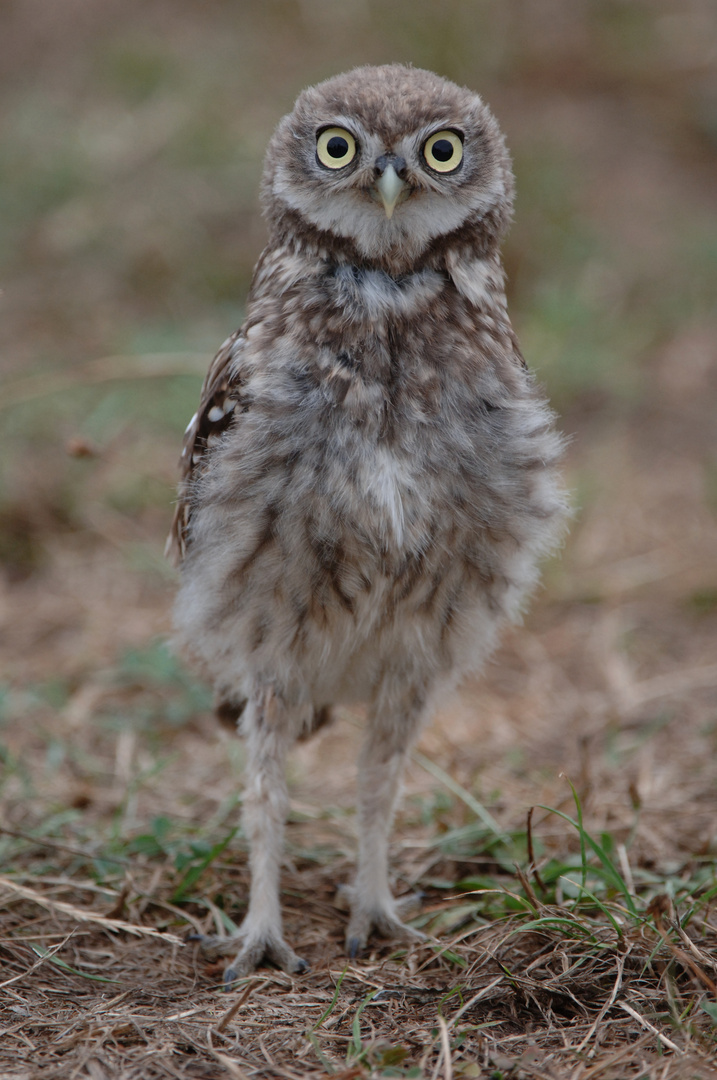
point(390, 187)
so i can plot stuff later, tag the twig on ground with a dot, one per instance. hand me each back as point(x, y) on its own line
point(649, 1027)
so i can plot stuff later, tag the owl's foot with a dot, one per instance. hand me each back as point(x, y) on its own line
point(253, 949)
point(384, 917)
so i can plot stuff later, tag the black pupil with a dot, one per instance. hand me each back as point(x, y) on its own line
point(442, 150)
point(337, 146)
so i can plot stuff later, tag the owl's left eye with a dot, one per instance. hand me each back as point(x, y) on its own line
point(335, 148)
point(443, 152)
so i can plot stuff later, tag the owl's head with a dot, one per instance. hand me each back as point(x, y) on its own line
point(388, 164)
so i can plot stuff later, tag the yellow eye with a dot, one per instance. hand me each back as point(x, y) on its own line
point(335, 148)
point(443, 152)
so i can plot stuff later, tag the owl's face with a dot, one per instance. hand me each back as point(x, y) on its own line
point(389, 159)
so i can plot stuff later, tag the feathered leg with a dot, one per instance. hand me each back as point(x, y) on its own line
point(269, 734)
point(381, 765)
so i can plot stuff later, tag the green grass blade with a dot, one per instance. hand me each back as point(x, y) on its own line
point(465, 796)
point(40, 950)
point(334, 999)
point(355, 1047)
point(611, 871)
point(581, 830)
point(576, 928)
point(319, 1052)
point(195, 872)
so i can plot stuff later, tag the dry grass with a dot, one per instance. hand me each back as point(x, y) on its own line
point(559, 949)
point(550, 995)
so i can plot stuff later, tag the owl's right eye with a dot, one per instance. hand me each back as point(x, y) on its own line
point(335, 148)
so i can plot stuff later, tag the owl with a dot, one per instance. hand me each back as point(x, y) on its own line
point(372, 475)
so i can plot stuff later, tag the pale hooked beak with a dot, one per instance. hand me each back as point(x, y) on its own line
point(390, 187)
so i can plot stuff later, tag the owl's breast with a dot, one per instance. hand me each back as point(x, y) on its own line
point(372, 477)
point(377, 417)
point(381, 397)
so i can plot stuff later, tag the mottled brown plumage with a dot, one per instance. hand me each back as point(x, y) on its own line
point(370, 479)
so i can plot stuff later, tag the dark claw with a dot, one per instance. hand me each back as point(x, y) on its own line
point(354, 948)
point(302, 967)
point(230, 977)
point(196, 937)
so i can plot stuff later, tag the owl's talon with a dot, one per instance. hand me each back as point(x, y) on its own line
point(409, 906)
point(253, 951)
point(385, 922)
point(279, 953)
point(212, 946)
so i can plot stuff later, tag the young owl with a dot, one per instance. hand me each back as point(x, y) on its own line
point(370, 479)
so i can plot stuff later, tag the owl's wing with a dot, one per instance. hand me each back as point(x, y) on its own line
point(220, 393)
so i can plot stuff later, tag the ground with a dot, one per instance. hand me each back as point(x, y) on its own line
point(574, 941)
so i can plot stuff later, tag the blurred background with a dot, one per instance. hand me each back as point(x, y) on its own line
point(131, 143)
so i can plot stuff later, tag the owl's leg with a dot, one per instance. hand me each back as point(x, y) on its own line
point(269, 734)
point(381, 766)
